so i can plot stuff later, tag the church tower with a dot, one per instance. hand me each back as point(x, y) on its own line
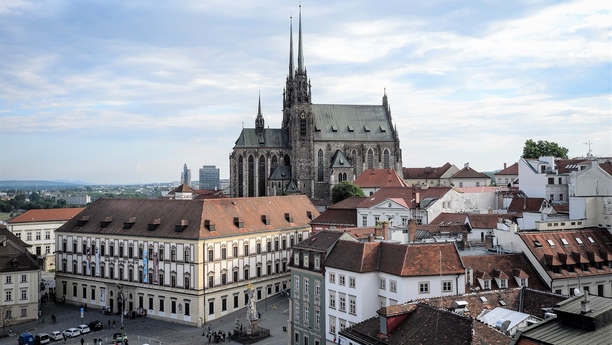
point(298, 117)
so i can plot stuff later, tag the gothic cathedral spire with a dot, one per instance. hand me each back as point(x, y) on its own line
point(259, 121)
point(297, 88)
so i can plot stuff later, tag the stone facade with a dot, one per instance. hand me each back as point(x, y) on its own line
point(317, 146)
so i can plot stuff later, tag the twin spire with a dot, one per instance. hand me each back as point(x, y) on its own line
point(300, 58)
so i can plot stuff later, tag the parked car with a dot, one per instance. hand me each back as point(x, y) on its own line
point(72, 332)
point(83, 328)
point(119, 337)
point(42, 338)
point(25, 339)
point(56, 335)
point(95, 325)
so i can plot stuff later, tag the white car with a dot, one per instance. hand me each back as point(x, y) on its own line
point(43, 338)
point(72, 332)
point(83, 329)
point(56, 335)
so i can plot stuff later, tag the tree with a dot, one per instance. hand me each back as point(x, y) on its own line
point(543, 148)
point(344, 190)
point(6, 317)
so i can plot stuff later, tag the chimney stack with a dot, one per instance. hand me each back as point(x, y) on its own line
point(412, 229)
point(585, 305)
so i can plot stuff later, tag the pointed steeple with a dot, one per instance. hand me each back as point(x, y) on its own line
point(291, 68)
point(300, 50)
point(259, 121)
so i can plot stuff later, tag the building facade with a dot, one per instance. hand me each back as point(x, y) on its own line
point(37, 228)
point(307, 300)
point(317, 145)
point(19, 280)
point(209, 178)
point(186, 261)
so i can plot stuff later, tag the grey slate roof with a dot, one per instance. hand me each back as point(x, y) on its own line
point(340, 161)
point(273, 137)
point(368, 123)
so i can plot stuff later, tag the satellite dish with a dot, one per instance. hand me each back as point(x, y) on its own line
point(577, 292)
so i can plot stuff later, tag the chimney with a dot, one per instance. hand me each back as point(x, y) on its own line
point(504, 166)
point(466, 165)
point(370, 238)
point(585, 305)
point(412, 229)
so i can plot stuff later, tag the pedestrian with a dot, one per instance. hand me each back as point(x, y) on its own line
point(82, 340)
point(113, 323)
point(95, 341)
point(259, 315)
point(65, 338)
point(109, 323)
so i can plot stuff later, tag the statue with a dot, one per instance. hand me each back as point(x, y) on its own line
point(251, 314)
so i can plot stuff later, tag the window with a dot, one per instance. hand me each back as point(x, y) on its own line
point(317, 262)
point(296, 259)
point(392, 286)
point(317, 288)
point(332, 325)
point(383, 284)
point(131, 252)
point(268, 246)
point(447, 286)
point(9, 279)
point(364, 220)
point(352, 305)
point(486, 284)
point(306, 284)
point(223, 253)
point(352, 282)
point(187, 255)
point(24, 294)
point(317, 317)
point(211, 281)
point(224, 304)
point(424, 287)
point(120, 250)
point(342, 279)
point(24, 312)
point(24, 278)
point(187, 308)
point(28, 236)
point(161, 253)
point(332, 278)
point(306, 313)
point(503, 283)
point(342, 306)
point(211, 307)
point(211, 255)
point(332, 300)
point(173, 254)
point(47, 235)
point(297, 312)
point(258, 247)
point(173, 279)
point(150, 303)
point(8, 295)
point(235, 251)
point(296, 283)
point(102, 249)
point(306, 260)
point(187, 282)
point(320, 166)
point(38, 235)
point(246, 249)
point(246, 274)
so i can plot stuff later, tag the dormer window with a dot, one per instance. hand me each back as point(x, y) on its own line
point(486, 284)
point(503, 283)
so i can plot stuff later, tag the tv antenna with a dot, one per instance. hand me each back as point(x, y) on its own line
point(589, 154)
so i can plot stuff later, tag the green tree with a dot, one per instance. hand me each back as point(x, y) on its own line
point(6, 317)
point(344, 190)
point(543, 148)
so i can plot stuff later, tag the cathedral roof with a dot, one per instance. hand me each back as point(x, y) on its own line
point(340, 161)
point(272, 137)
point(351, 123)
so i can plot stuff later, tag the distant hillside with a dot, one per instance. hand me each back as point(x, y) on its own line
point(38, 184)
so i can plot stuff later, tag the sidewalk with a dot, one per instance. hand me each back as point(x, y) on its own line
point(151, 331)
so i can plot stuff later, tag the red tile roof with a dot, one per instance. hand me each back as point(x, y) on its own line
point(46, 215)
point(586, 246)
point(378, 178)
point(508, 265)
point(468, 172)
point(450, 218)
point(426, 172)
point(487, 221)
point(397, 259)
point(408, 194)
point(511, 170)
point(192, 219)
point(519, 205)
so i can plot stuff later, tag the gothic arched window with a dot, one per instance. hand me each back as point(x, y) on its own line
point(240, 176)
point(320, 166)
point(273, 164)
point(261, 178)
point(370, 159)
point(386, 163)
point(251, 176)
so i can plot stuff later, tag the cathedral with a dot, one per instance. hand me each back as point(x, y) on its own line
point(317, 145)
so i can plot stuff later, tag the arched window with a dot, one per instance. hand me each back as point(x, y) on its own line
point(339, 177)
point(386, 159)
point(343, 176)
point(261, 178)
point(370, 159)
point(320, 166)
point(273, 164)
point(251, 176)
point(287, 160)
point(240, 177)
point(303, 127)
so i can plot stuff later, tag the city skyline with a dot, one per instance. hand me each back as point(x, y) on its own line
point(128, 92)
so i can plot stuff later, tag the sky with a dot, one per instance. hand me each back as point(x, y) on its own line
point(121, 92)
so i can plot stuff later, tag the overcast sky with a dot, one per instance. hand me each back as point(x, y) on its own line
point(117, 91)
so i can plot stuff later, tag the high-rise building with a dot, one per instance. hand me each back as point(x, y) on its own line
point(209, 177)
point(186, 176)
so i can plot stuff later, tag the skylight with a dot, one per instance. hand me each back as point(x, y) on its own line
point(551, 243)
point(579, 240)
point(564, 241)
point(537, 243)
point(591, 240)
point(483, 299)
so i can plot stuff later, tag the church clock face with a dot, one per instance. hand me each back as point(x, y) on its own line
point(303, 115)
